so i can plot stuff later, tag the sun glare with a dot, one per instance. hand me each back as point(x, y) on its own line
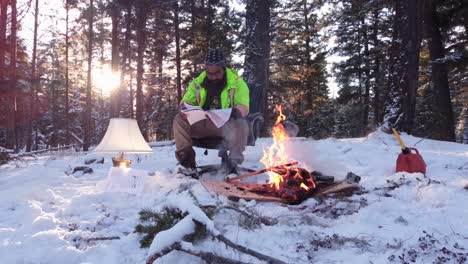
point(105, 79)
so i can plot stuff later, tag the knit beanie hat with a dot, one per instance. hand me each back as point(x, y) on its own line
point(215, 57)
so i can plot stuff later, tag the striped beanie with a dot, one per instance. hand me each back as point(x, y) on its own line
point(215, 57)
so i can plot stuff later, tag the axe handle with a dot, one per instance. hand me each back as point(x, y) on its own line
point(398, 138)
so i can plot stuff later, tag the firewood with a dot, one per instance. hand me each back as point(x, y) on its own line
point(250, 174)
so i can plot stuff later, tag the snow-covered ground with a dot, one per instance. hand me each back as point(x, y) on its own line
point(49, 216)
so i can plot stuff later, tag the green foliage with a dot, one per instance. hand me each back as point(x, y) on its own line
point(153, 223)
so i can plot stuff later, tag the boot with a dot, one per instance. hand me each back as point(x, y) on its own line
point(186, 158)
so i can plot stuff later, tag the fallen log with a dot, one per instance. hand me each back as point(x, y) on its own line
point(249, 251)
point(206, 256)
point(102, 238)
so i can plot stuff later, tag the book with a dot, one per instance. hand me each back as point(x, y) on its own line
point(195, 114)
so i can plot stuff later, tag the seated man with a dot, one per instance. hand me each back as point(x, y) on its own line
point(217, 87)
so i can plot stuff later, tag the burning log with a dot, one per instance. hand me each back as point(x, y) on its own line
point(291, 184)
point(250, 174)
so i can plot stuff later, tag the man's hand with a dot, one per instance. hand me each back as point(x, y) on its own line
point(235, 114)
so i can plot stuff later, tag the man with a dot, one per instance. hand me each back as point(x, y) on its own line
point(217, 87)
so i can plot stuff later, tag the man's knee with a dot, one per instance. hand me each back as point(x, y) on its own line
point(179, 122)
point(242, 126)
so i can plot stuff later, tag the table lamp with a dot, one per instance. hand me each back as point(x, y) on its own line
point(123, 136)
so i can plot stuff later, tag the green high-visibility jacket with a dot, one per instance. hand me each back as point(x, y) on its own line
point(234, 94)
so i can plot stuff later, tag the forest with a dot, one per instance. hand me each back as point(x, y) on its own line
point(339, 68)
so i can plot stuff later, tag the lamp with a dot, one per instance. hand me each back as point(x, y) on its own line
point(123, 136)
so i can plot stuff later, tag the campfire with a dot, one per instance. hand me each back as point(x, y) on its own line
point(285, 182)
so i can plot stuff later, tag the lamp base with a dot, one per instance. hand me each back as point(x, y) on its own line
point(121, 162)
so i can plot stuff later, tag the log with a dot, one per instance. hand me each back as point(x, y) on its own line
point(250, 174)
point(249, 251)
point(206, 256)
point(102, 238)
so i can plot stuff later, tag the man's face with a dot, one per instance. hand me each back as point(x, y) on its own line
point(214, 73)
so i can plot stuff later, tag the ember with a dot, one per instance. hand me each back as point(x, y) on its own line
point(289, 183)
point(295, 184)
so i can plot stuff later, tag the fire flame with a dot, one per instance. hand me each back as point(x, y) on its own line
point(276, 154)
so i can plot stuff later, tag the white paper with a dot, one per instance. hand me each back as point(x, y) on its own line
point(219, 116)
point(195, 113)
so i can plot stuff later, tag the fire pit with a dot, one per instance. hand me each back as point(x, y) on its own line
point(287, 184)
point(290, 191)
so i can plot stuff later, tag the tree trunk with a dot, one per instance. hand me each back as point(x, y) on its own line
point(439, 78)
point(132, 97)
point(365, 111)
point(115, 60)
point(12, 141)
point(3, 44)
point(141, 15)
point(193, 21)
point(126, 51)
point(465, 127)
point(257, 54)
point(177, 42)
point(376, 71)
point(465, 17)
point(393, 98)
point(32, 92)
point(404, 64)
point(415, 9)
point(87, 117)
point(67, 84)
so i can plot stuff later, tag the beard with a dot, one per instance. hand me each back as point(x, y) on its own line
point(214, 82)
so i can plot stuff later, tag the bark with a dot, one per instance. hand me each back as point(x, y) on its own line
point(365, 111)
point(465, 17)
point(413, 39)
point(206, 256)
point(308, 82)
point(32, 93)
point(3, 44)
point(132, 97)
point(439, 77)
point(404, 65)
point(115, 60)
point(12, 141)
point(67, 84)
point(257, 57)
point(126, 51)
point(193, 21)
point(465, 127)
point(177, 42)
point(87, 117)
point(142, 16)
point(376, 70)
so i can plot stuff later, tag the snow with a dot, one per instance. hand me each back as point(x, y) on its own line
point(47, 216)
point(166, 238)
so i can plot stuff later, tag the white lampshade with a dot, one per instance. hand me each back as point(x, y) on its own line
point(123, 135)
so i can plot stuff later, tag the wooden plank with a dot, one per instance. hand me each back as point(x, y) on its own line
point(238, 191)
point(340, 186)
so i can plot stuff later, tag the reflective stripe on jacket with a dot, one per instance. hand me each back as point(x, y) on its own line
point(235, 94)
